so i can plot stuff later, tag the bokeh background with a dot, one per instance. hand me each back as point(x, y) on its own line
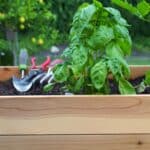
point(42, 26)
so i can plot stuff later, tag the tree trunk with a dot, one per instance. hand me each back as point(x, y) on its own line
point(12, 37)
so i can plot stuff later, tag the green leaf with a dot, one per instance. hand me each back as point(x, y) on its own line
point(102, 36)
point(61, 73)
point(48, 87)
point(123, 39)
point(114, 67)
point(147, 78)
point(79, 84)
point(125, 87)
point(143, 7)
point(127, 6)
point(121, 31)
point(77, 70)
point(99, 74)
point(125, 45)
point(79, 56)
point(117, 16)
point(98, 3)
point(81, 19)
point(113, 51)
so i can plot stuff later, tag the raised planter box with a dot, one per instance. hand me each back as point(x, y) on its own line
point(74, 122)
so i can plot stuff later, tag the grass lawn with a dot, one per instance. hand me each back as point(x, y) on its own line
point(138, 60)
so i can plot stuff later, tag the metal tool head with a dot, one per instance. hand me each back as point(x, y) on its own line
point(25, 84)
point(20, 85)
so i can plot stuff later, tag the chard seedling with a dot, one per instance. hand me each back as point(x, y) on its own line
point(99, 43)
point(144, 84)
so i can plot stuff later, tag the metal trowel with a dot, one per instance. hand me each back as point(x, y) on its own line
point(17, 82)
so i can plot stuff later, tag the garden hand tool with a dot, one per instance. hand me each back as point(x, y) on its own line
point(23, 58)
point(50, 75)
point(41, 70)
point(26, 83)
point(49, 72)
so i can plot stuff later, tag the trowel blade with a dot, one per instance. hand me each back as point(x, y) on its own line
point(20, 85)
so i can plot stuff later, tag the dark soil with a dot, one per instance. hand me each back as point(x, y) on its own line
point(6, 88)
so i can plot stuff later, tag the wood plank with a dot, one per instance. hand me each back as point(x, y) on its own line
point(76, 142)
point(7, 72)
point(74, 114)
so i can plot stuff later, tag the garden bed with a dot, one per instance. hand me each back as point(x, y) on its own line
point(74, 122)
point(6, 87)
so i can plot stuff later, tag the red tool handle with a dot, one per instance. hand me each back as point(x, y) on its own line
point(56, 62)
point(46, 63)
point(33, 62)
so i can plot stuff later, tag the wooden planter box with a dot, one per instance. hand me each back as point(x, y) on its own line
point(74, 122)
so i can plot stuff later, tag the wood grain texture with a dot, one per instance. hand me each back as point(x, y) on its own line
point(7, 72)
point(76, 142)
point(74, 122)
point(74, 114)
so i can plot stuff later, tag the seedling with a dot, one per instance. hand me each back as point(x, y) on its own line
point(144, 84)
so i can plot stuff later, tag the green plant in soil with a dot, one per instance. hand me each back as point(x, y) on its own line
point(99, 43)
point(142, 11)
point(145, 83)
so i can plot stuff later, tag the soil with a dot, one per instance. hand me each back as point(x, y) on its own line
point(6, 88)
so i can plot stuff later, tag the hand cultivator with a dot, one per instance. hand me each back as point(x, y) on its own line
point(37, 75)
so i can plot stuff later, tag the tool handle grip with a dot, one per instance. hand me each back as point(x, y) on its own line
point(55, 62)
point(46, 63)
point(23, 58)
point(33, 63)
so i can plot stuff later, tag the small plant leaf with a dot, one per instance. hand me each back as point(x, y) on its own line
point(99, 74)
point(125, 87)
point(61, 73)
point(48, 87)
point(147, 78)
point(79, 84)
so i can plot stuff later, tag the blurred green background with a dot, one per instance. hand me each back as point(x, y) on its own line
point(39, 34)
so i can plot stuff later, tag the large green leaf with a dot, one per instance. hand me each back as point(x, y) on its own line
point(61, 73)
point(143, 7)
point(113, 51)
point(127, 6)
point(117, 16)
point(114, 67)
point(125, 45)
point(102, 36)
point(121, 31)
point(76, 69)
point(79, 56)
point(141, 10)
point(99, 74)
point(123, 38)
point(125, 87)
point(81, 19)
point(79, 84)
